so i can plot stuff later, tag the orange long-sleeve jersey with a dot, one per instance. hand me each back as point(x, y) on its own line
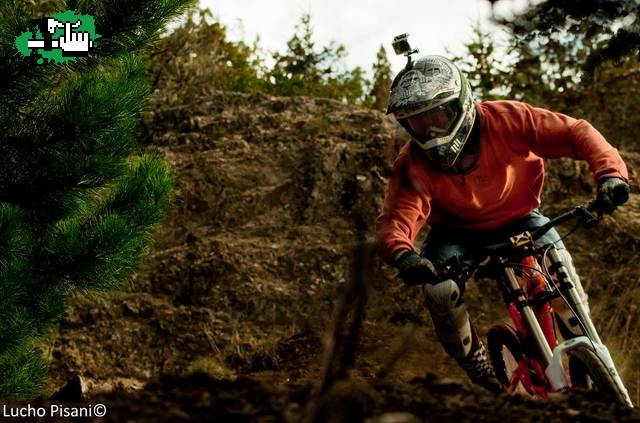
point(506, 183)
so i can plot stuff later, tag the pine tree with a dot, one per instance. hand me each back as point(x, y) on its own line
point(581, 58)
point(197, 57)
point(306, 70)
point(78, 198)
point(382, 76)
point(611, 26)
point(482, 66)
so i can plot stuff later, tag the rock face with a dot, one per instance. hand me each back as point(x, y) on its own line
point(256, 243)
point(272, 196)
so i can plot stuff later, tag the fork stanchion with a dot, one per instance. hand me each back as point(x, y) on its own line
point(578, 307)
point(535, 285)
point(529, 319)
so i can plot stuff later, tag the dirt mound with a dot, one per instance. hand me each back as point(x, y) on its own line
point(256, 244)
point(257, 247)
point(198, 397)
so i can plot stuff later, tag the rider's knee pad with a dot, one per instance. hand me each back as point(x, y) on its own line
point(443, 297)
point(450, 317)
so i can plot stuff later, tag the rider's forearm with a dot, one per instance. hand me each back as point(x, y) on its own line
point(604, 160)
point(395, 232)
point(394, 239)
point(404, 212)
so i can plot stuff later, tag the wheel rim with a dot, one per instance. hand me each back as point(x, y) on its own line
point(513, 369)
point(510, 362)
point(510, 365)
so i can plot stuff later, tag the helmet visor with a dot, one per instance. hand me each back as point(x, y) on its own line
point(443, 148)
point(436, 122)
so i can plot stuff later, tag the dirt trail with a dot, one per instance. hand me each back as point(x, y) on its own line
point(256, 250)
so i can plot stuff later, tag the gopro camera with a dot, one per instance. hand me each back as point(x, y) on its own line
point(401, 45)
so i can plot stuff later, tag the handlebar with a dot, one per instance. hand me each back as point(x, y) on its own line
point(451, 268)
point(582, 212)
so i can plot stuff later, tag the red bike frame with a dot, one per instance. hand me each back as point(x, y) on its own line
point(530, 371)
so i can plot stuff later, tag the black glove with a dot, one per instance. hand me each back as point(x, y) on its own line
point(612, 192)
point(415, 270)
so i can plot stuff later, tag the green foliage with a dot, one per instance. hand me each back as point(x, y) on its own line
point(78, 200)
point(615, 24)
point(302, 59)
point(560, 58)
point(306, 70)
point(486, 74)
point(22, 370)
point(581, 58)
point(40, 8)
point(197, 57)
point(382, 77)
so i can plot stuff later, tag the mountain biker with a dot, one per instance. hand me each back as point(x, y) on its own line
point(474, 172)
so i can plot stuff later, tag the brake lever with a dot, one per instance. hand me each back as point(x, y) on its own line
point(450, 269)
point(455, 269)
point(589, 219)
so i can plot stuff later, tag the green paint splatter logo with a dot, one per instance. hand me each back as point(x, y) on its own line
point(59, 38)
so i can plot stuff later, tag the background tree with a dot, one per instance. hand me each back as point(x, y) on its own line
point(581, 58)
point(197, 57)
point(381, 83)
point(487, 75)
point(78, 198)
point(615, 24)
point(305, 70)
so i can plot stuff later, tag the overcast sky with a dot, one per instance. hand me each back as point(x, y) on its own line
point(361, 26)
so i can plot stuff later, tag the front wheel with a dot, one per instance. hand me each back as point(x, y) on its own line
point(510, 363)
point(589, 373)
point(505, 352)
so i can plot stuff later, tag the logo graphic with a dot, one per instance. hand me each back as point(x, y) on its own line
point(59, 38)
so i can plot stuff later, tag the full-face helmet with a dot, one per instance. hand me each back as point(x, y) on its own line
point(433, 101)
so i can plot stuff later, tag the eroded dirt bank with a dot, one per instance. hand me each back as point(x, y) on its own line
point(256, 250)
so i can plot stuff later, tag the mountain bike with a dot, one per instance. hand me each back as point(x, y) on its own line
point(526, 354)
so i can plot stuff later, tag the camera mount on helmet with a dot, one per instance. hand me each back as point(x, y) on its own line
point(401, 46)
